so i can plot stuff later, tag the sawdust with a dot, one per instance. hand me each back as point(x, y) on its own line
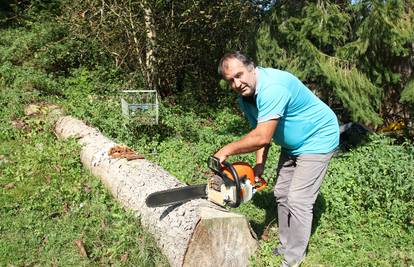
point(124, 152)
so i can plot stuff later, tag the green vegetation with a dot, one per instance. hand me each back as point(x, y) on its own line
point(355, 56)
point(49, 202)
point(52, 208)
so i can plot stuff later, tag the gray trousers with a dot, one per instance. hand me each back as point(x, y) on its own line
point(298, 182)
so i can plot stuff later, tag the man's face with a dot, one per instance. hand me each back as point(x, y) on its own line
point(242, 79)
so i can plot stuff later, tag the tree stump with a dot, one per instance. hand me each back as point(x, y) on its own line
point(195, 233)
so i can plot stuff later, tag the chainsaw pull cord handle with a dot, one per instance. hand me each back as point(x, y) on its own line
point(236, 181)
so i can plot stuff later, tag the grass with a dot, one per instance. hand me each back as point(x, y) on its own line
point(50, 203)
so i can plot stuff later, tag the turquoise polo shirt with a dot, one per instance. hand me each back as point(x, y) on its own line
point(306, 124)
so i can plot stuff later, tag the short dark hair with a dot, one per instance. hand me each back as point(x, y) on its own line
point(245, 59)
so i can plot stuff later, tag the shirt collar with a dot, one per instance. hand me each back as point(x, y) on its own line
point(256, 91)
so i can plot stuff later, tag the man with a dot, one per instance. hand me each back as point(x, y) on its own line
point(279, 106)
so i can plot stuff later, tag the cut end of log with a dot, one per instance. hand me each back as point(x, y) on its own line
point(220, 239)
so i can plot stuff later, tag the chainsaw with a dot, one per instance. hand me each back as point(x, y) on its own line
point(231, 185)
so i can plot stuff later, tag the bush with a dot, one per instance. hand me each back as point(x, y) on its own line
point(50, 47)
point(375, 178)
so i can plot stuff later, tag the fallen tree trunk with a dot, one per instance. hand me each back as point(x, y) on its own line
point(196, 233)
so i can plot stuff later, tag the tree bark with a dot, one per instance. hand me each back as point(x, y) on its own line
point(150, 29)
point(196, 233)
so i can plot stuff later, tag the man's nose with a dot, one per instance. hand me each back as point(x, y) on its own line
point(237, 83)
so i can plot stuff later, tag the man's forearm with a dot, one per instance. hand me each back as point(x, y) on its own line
point(261, 156)
point(245, 145)
point(255, 140)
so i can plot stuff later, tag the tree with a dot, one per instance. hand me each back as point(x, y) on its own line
point(173, 44)
point(355, 56)
point(384, 50)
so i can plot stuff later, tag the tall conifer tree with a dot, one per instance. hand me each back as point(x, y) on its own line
point(357, 56)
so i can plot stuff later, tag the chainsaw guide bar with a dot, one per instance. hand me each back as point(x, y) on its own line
point(176, 195)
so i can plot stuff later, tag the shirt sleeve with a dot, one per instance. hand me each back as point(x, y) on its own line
point(272, 102)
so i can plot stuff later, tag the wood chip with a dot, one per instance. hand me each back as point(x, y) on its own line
point(81, 247)
point(57, 168)
point(124, 257)
point(66, 208)
point(9, 186)
point(31, 110)
point(265, 235)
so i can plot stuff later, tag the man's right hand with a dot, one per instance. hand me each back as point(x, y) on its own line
point(221, 155)
point(258, 170)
